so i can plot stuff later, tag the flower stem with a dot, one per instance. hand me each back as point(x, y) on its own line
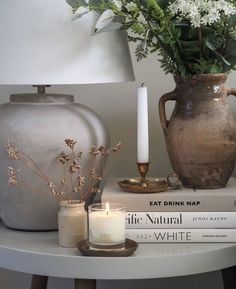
point(200, 41)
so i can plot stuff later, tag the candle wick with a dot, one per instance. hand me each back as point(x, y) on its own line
point(107, 212)
point(143, 84)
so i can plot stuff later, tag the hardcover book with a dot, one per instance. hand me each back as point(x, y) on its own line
point(181, 235)
point(183, 200)
point(153, 220)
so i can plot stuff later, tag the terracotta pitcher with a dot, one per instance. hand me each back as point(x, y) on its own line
point(201, 133)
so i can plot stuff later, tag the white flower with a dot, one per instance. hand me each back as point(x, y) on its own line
point(141, 18)
point(196, 20)
point(131, 6)
point(118, 4)
point(229, 10)
point(200, 12)
point(174, 8)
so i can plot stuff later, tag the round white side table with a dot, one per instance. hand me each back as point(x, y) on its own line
point(39, 254)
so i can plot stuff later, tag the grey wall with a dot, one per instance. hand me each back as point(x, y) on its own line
point(116, 104)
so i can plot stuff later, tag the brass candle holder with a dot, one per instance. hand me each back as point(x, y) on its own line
point(143, 170)
point(144, 185)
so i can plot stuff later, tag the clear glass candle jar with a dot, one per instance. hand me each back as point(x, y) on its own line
point(72, 223)
point(106, 226)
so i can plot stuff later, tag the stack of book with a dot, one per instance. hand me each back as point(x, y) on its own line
point(184, 215)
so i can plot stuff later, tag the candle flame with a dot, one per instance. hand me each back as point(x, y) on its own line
point(107, 208)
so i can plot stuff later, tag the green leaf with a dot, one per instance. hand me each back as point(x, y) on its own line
point(104, 20)
point(180, 23)
point(81, 11)
point(141, 51)
point(155, 12)
point(138, 28)
point(232, 20)
point(191, 46)
point(213, 48)
point(231, 48)
point(75, 4)
point(163, 3)
point(222, 58)
point(111, 27)
point(231, 60)
point(210, 45)
point(215, 69)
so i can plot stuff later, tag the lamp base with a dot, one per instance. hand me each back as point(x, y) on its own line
point(38, 124)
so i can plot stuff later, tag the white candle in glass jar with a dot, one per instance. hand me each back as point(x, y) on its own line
point(106, 225)
point(142, 127)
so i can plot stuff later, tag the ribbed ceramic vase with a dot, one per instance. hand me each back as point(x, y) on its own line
point(38, 124)
point(201, 133)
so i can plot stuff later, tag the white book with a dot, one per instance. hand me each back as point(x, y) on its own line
point(184, 200)
point(182, 235)
point(153, 220)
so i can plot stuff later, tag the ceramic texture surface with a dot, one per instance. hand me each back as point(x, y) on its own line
point(201, 134)
point(38, 126)
point(72, 223)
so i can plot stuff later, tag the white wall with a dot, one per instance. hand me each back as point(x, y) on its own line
point(116, 104)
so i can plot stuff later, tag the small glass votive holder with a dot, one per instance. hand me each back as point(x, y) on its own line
point(106, 226)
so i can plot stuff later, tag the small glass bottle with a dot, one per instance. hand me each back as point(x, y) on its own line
point(72, 223)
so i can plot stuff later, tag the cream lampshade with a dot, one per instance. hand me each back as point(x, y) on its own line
point(41, 45)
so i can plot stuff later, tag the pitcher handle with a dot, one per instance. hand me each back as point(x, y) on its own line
point(162, 108)
point(231, 91)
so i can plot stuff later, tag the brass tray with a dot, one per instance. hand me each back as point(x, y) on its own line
point(130, 248)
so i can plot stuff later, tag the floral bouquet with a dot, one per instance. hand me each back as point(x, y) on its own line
point(190, 36)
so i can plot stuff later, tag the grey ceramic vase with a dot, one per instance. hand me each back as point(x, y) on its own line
point(39, 124)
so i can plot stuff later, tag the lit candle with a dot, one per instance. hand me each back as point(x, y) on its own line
point(142, 130)
point(106, 226)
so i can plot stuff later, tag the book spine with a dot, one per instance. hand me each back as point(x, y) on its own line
point(181, 235)
point(153, 220)
point(174, 203)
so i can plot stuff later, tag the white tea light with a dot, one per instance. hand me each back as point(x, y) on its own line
point(106, 226)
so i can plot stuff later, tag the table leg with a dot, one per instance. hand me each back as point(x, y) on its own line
point(85, 284)
point(39, 282)
point(229, 277)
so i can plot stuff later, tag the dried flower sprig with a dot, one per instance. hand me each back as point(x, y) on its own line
point(72, 185)
point(70, 143)
point(12, 177)
point(12, 151)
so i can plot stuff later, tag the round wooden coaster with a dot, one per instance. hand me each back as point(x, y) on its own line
point(130, 248)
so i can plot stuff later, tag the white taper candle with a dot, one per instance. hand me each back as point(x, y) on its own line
point(142, 131)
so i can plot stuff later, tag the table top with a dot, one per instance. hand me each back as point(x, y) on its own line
point(39, 253)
